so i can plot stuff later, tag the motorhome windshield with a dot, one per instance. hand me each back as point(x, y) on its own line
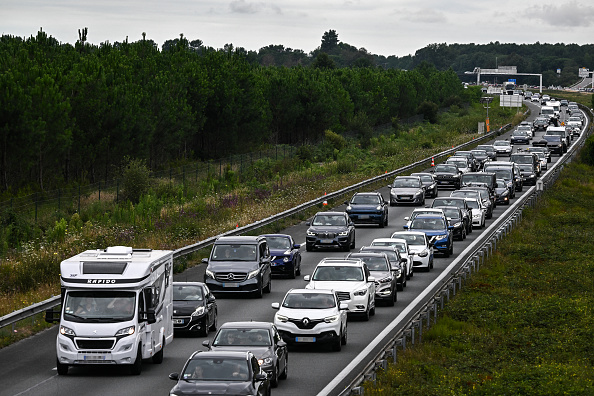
point(95, 306)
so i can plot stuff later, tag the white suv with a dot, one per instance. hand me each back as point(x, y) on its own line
point(312, 317)
point(351, 281)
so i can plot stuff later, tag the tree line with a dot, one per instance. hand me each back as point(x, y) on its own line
point(75, 113)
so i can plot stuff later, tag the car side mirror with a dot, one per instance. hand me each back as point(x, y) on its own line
point(297, 246)
point(308, 223)
point(211, 299)
point(404, 260)
point(260, 377)
point(275, 305)
point(343, 306)
point(204, 260)
point(371, 279)
point(174, 376)
point(206, 344)
point(307, 278)
point(281, 344)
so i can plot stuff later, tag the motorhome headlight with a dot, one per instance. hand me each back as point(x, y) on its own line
point(199, 311)
point(331, 319)
point(126, 331)
point(360, 292)
point(253, 273)
point(209, 274)
point(67, 331)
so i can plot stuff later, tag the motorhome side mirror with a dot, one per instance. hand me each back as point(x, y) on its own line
point(51, 317)
point(150, 316)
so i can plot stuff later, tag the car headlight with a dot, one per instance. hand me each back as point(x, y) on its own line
point(378, 208)
point(361, 292)
point(343, 233)
point(67, 331)
point(311, 233)
point(286, 259)
point(266, 361)
point(199, 311)
point(504, 193)
point(440, 237)
point(331, 319)
point(281, 318)
point(349, 208)
point(126, 331)
point(425, 252)
point(476, 215)
point(387, 279)
point(209, 273)
point(419, 193)
point(253, 273)
point(456, 225)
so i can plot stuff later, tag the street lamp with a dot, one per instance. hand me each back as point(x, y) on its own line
point(486, 100)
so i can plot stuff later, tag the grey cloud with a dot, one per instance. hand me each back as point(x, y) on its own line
point(244, 7)
point(422, 16)
point(570, 14)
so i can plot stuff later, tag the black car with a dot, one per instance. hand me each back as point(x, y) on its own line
point(330, 229)
point(528, 174)
point(368, 208)
point(456, 220)
point(194, 308)
point(239, 264)
point(397, 263)
point(221, 373)
point(480, 193)
point(429, 184)
point(285, 255)
point(260, 338)
point(502, 192)
point(555, 144)
point(489, 149)
point(481, 156)
point(447, 175)
point(385, 278)
point(520, 137)
point(459, 203)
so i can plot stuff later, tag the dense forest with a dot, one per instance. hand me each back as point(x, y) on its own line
point(74, 113)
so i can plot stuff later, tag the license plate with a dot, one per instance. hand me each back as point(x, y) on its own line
point(305, 339)
point(178, 321)
point(94, 357)
point(442, 182)
point(364, 217)
point(326, 241)
point(230, 284)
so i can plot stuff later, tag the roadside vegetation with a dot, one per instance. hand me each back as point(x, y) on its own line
point(523, 324)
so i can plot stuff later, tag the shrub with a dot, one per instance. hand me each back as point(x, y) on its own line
point(135, 180)
point(429, 111)
point(334, 139)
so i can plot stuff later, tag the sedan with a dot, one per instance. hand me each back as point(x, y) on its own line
point(230, 373)
point(502, 192)
point(194, 308)
point(503, 147)
point(260, 338)
point(407, 189)
point(385, 279)
point(310, 316)
point(429, 184)
point(459, 203)
point(285, 257)
point(520, 137)
point(420, 247)
point(447, 175)
point(456, 220)
point(330, 229)
point(528, 174)
point(368, 208)
point(397, 263)
point(479, 212)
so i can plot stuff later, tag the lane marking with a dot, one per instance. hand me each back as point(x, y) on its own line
point(35, 386)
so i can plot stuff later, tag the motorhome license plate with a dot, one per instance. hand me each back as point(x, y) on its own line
point(94, 357)
point(230, 284)
point(305, 339)
point(178, 321)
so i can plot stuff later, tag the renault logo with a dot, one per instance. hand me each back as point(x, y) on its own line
point(305, 321)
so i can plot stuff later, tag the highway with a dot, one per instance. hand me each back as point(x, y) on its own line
point(29, 366)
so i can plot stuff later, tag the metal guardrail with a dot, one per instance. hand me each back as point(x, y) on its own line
point(26, 312)
point(423, 310)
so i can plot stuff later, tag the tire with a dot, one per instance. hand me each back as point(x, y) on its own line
point(391, 301)
point(308, 248)
point(274, 379)
point(352, 246)
point(204, 331)
point(293, 274)
point(382, 223)
point(258, 293)
point(213, 327)
point(337, 345)
point(136, 367)
point(372, 311)
point(451, 249)
point(430, 264)
point(158, 357)
point(268, 287)
point(62, 368)
point(298, 271)
point(366, 316)
point(386, 221)
point(343, 339)
point(285, 372)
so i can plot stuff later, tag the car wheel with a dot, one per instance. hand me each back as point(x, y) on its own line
point(412, 272)
point(391, 301)
point(366, 315)
point(136, 367)
point(213, 327)
point(372, 310)
point(62, 368)
point(343, 340)
point(268, 287)
point(392, 203)
point(285, 372)
point(386, 224)
point(452, 248)
point(158, 357)
point(399, 286)
point(274, 379)
point(258, 293)
point(352, 243)
point(298, 272)
point(404, 282)
point(308, 247)
point(293, 272)
point(337, 345)
point(382, 223)
point(431, 264)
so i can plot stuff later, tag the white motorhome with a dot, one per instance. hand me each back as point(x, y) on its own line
point(556, 105)
point(548, 111)
point(117, 307)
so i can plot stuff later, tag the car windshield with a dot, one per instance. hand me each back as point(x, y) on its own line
point(338, 273)
point(406, 183)
point(522, 159)
point(426, 178)
point(501, 184)
point(428, 224)
point(552, 138)
point(415, 213)
point(329, 220)
point(187, 293)
point(242, 336)
point(452, 213)
point(411, 239)
point(472, 204)
point(375, 263)
point(365, 200)
point(217, 369)
point(465, 194)
point(503, 173)
point(392, 257)
point(309, 301)
point(500, 143)
point(459, 164)
point(476, 178)
point(401, 247)
point(99, 306)
point(448, 202)
point(480, 153)
point(446, 168)
point(486, 148)
point(526, 167)
point(280, 243)
point(234, 252)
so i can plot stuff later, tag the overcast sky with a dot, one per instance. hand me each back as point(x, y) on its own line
point(383, 27)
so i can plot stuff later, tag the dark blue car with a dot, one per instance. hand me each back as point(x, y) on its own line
point(285, 255)
point(438, 230)
point(368, 208)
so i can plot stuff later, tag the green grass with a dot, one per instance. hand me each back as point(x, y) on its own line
point(524, 324)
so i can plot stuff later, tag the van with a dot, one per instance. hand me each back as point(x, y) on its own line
point(560, 131)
